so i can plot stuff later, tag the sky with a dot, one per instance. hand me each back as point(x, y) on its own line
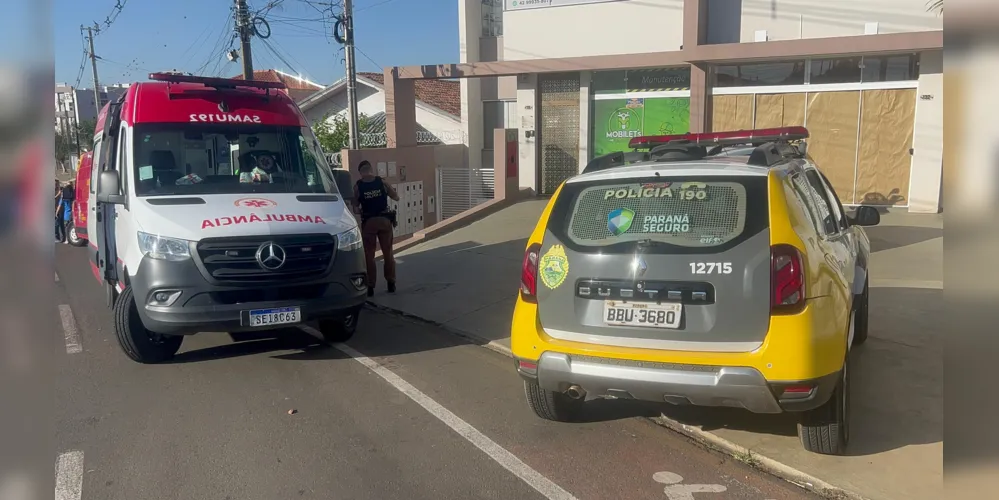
point(193, 36)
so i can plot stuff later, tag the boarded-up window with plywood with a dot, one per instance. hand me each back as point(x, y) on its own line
point(883, 163)
point(832, 144)
point(731, 112)
point(780, 110)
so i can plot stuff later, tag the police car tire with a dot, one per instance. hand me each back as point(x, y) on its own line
point(337, 330)
point(134, 339)
point(826, 429)
point(551, 405)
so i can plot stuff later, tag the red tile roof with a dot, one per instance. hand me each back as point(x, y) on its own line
point(442, 94)
point(270, 75)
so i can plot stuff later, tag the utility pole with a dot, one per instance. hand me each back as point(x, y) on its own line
point(245, 30)
point(348, 29)
point(93, 64)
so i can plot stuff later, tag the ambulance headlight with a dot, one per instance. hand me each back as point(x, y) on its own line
point(349, 240)
point(160, 247)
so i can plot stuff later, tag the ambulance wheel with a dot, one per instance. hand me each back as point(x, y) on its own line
point(340, 329)
point(139, 344)
point(551, 405)
point(71, 236)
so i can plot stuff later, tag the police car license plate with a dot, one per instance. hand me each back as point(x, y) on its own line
point(278, 316)
point(643, 314)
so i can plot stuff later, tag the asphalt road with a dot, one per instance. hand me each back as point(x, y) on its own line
point(402, 411)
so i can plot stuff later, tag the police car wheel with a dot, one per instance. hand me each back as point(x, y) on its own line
point(551, 405)
point(340, 329)
point(139, 344)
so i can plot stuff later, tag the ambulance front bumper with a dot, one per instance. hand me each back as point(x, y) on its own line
point(175, 298)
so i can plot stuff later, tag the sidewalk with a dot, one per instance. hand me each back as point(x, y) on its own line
point(467, 281)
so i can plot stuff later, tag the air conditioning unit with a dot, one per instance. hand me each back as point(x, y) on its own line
point(871, 28)
point(761, 35)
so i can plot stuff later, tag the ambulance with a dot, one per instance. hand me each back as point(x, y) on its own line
point(213, 208)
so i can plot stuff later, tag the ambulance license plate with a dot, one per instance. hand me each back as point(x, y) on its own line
point(277, 316)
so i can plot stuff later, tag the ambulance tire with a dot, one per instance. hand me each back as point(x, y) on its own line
point(139, 344)
point(71, 236)
point(340, 329)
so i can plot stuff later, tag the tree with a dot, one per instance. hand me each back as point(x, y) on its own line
point(85, 131)
point(333, 133)
point(64, 147)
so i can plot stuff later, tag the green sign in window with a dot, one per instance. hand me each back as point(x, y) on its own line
point(617, 121)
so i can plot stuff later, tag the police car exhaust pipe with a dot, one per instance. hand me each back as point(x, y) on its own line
point(575, 392)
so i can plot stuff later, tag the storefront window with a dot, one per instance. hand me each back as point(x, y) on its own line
point(760, 74)
point(837, 70)
point(890, 68)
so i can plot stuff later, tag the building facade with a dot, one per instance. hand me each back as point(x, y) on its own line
point(859, 75)
point(74, 106)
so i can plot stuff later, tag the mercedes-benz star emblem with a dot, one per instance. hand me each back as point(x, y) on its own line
point(271, 256)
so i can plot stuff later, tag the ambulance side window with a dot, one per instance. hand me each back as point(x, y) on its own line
point(122, 162)
point(95, 168)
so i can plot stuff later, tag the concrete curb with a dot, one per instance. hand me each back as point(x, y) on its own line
point(706, 439)
point(757, 461)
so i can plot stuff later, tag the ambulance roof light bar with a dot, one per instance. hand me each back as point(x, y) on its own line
point(214, 82)
point(723, 138)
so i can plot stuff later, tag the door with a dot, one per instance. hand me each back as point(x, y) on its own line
point(664, 262)
point(559, 134)
point(103, 255)
point(833, 241)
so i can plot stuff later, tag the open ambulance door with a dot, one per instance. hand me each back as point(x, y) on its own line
point(109, 196)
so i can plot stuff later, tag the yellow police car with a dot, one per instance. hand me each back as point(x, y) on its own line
point(713, 269)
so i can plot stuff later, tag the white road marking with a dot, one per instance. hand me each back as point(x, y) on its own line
point(676, 491)
point(69, 476)
point(496, 452)
point(73, 344)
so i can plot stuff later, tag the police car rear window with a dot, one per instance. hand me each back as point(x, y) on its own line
point(694, 213)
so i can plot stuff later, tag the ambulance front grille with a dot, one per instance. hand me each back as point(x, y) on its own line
point(234, 260)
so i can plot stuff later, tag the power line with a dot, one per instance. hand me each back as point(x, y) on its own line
point(368, 57)
point(215, 51)
point(110, 19)
point(366, 7)
point(268, 46)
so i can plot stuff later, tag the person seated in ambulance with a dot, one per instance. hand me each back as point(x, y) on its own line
point(264, 170)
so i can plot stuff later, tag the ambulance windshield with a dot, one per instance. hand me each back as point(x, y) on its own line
point(185, 159)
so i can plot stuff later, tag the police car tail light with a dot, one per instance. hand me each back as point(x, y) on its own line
point(722, 138)
point(787, 280)
point(529, 273)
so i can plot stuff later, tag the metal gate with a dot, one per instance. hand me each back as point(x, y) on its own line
point(460, 189)
point(559, 134)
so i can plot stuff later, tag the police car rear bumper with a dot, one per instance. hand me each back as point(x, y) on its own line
point(195, 305)
point(739, 387)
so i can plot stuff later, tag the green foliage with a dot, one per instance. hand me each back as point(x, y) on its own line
point(85, 129)
point(333, 133)
point(64, 147)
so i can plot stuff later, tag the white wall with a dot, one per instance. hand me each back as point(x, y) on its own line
point(627, 27)
point(792, 19)
point(371, 102)
point(526, 121)
point(927, 140)
point(469, 32)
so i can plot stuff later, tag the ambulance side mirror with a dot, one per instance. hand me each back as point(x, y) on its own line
point(109, 188)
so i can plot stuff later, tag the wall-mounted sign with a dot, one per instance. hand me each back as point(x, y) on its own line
point(540, 4)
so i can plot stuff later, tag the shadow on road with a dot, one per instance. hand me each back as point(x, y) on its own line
point(889, 237)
